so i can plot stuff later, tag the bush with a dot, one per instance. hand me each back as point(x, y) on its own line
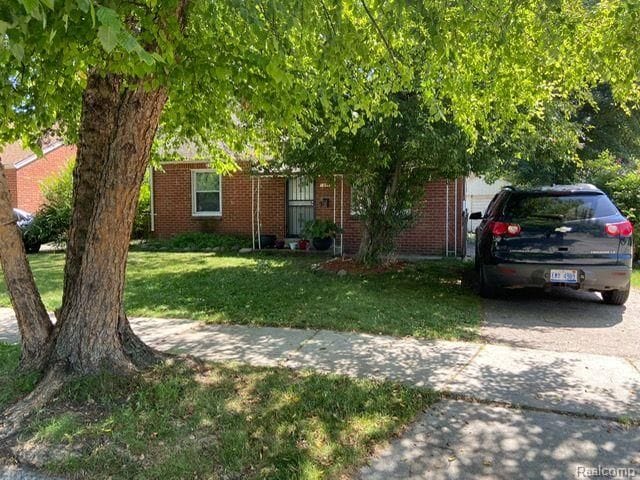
point(625, 191)
point(622, 183)
point(52, 221)
point(320, 229)
point(198, 241)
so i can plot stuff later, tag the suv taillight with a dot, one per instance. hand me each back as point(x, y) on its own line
point(619, 229)
point(500, 229)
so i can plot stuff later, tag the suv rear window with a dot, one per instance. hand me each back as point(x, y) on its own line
point(559, 206)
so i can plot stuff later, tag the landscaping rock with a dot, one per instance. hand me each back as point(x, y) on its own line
point(342, 273)
point(245, 250)
point(216, 249)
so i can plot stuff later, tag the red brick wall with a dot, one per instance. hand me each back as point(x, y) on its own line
point(172, 205)
point(173, 208)
point(12, 183)
point(28, 178)
point(428, 236)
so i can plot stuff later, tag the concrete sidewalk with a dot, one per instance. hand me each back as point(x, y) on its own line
point(576, 383)
point(480, 438)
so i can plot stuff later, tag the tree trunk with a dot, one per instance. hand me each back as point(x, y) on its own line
point(33, 320)
point(380, 224)
point(118, 127)
point(376, 242)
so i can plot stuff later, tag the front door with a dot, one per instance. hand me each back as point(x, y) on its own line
point(300, 205)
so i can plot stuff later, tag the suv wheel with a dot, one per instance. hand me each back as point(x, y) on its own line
point(616, 297)
point(487, 289)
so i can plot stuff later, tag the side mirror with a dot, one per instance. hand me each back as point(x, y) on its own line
point(475, 216)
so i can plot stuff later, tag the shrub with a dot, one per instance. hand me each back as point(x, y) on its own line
point(197, 241)
point(320, 229)
point(52, 221)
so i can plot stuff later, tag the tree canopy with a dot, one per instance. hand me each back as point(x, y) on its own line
point(278, 68)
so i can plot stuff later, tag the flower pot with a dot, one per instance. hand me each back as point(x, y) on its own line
point(266, 241)
point(303, 244)
point(293, 245)
point(322, 244)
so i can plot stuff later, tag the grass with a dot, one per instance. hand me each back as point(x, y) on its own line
point(427, 300)
point(216, 421)
point(635, 278)
point(13, 385)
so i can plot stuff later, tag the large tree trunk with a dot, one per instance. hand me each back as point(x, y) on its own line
point(33, 321)
point(118, 127)
point(92, 333)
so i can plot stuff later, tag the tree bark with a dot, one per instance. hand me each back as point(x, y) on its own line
point(380, 224)
point(118, 127)
point(33, 321)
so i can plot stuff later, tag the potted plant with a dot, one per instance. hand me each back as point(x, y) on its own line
point(303, 244)
point(321, 232)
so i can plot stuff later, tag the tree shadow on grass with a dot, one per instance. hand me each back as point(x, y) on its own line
point(186, 421)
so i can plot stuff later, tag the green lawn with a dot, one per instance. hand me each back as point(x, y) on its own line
point(635, 278)
point(426, 300)
point(214, 421)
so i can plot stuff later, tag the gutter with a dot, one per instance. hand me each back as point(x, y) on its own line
point(152, 210)
point(33, 157)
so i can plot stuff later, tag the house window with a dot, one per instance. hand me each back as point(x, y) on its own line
point(206, 198)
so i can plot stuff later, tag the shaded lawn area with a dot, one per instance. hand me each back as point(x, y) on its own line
point(426, 300)
point(211, 420)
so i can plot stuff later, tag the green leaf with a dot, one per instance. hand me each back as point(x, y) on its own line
point(48, 3)
point(3, 27)
point(32, 8)
point(84, 5)
point(146, 57)
point(17, 50)
point(109, 17)
point(108, 38)
point(275, 72)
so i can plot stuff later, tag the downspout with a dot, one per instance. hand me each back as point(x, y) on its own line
point(253, 214)
point(152, 212)
point(455, 219)
point(446, 222)
point(258, 216)
point(341, 215)
point(334, 212)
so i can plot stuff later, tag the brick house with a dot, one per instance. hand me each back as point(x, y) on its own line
point(189, 197)
point(25, 171)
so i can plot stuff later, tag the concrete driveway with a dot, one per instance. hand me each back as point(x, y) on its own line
point(564, 321)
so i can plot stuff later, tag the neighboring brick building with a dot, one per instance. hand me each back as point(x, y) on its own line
point(188, 197)
point(25, 171)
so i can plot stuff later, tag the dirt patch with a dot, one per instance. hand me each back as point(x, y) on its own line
point(351, 267)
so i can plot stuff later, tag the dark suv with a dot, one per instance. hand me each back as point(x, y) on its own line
point(565, 235)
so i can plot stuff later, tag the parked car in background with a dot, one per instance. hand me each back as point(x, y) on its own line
point(25, 220)
point(565, 235)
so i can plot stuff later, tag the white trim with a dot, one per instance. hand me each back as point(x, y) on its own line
point(32, 158)
point(195, 213)
point(184, 162)
point(152, 210)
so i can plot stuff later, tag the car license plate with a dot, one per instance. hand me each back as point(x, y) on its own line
point(564, 276)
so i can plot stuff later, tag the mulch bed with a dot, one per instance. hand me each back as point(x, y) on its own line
point(350, 266)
